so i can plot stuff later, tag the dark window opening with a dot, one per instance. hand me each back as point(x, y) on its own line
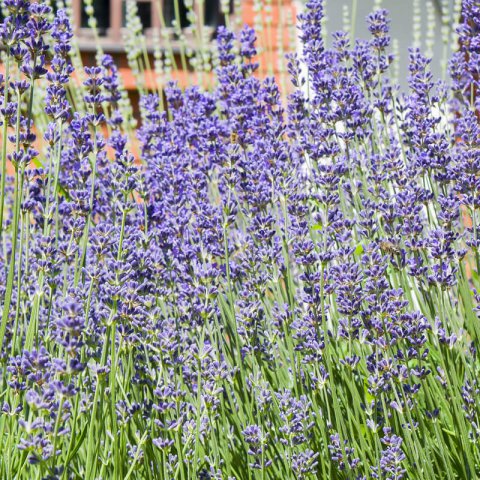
point(169, 13)
point(213, 15)
point(144, 13)
point(101, 11)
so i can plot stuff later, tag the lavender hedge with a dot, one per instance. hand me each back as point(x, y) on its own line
point(276, 290)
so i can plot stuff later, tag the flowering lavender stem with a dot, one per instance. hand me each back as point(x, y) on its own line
point(459, 423)
point(93, 162)
point(475, 233)
point(113, 353)
point(16, 213)
point(4, 142)
point(91, 462)
point(19, 286)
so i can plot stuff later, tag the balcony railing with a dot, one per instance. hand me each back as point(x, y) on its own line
point(168, 16)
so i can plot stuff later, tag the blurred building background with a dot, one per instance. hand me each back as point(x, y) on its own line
point(112, 20)
point(177, 29)
point(174, 29)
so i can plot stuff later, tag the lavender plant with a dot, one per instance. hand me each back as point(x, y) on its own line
point(274, 291)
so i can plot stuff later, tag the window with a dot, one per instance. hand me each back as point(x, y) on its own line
point(213, 16)
point(111, 14)
point(102, 15)
point(144, 11)
point(169, 13)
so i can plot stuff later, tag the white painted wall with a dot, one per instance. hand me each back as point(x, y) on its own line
point(409, 25)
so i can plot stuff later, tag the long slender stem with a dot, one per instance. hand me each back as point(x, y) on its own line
point(4, 141)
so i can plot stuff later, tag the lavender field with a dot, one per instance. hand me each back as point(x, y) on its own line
point(250, 283)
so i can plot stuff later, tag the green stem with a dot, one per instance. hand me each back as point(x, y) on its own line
point(4, 142)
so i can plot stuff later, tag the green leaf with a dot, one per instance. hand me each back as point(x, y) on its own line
point(359, 250)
